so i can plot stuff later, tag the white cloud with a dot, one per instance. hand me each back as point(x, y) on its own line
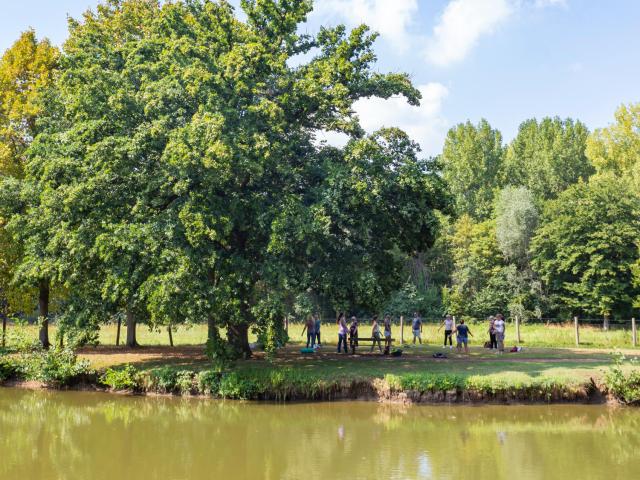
point(424, 124)
point(464, 22)
point(461, 25)
point(550, 3)
point(390, 18)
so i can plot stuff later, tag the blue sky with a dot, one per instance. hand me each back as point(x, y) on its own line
point(504, 60)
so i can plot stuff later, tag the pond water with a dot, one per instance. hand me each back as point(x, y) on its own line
point(60, 435)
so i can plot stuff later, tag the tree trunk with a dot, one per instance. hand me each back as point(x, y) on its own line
point(605, 324)
point(4, 329)
point(170, 335)
point(131, 330)
point(238, 338)
point(43, 304)
point(212, 332)
point(118, 330)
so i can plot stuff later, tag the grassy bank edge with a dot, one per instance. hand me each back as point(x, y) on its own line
point(288, 385)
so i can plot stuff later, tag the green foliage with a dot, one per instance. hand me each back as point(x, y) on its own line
point(548, 156)
point(616, 148)
point(27, 70)
point(516, 222)
point(122, 378)
point(56, 367)
point(425, 382)
point(472, 167)
point(208, 382)
point(586, 246)
point(180, 168)
point(625, 387)
point(8, 368)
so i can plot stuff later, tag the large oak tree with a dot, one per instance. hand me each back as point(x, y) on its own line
point(180, 177)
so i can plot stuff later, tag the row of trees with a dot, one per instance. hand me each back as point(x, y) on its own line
point(163, 167)
point(546, 225)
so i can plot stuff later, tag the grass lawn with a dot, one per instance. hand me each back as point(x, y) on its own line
point(532, 335)
point(546, 355)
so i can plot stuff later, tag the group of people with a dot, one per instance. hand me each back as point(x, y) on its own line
point(348, 332)
point(496, 333)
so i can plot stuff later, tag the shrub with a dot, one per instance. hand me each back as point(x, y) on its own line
point(125, 378)
point(624, 387)
point(185, 382)
point(161, 380)
point(425, 382)
point(208, 382)
point(239, 387)
point(8, 369)
point(56, 367)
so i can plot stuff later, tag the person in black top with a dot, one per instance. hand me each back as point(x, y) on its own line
point(462, 335)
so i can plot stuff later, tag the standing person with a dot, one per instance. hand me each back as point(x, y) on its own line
point(318, 324)
point(416, 327)
point(353, 334)
point(342, 332)
point(375, 334)
point(310, 328)
point(492, 333)
point(387, 334)
point(448, 331)
point(462, 336)
point(499, 327)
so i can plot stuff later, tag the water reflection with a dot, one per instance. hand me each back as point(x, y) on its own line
point(93, 436)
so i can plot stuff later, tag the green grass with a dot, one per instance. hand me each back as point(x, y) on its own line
point(532, 335)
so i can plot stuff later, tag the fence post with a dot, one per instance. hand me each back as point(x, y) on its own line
point(518, 329)
point(634, 332)
point(575, 321)
point(401, 330)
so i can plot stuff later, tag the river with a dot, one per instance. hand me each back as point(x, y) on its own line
point(73, 435)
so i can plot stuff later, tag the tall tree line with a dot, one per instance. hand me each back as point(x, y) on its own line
point(163, 167)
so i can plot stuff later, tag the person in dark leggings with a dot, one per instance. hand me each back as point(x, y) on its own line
point(342, 332)
point(310, 328)
point(493, 342)
point(353, 334)
point(448, 330)
point(316, 319)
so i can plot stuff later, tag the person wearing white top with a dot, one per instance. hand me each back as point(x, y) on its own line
point(448, 330)
point(499, 328)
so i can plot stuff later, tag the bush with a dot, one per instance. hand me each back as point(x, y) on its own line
point(425, 382)
point(185, 382)
point(161, 380)
point(125, 378)
point(208, 382)
point(624, 387)
point(238, 387)
point(56, 367)
point(8, 369)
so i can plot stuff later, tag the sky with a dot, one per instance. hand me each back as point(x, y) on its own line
point(503, 60)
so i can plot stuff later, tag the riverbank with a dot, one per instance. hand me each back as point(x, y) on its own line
point(531, 376)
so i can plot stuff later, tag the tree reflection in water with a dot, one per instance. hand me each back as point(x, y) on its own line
point(89, 435)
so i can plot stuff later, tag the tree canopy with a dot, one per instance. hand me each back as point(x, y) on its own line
point(178, 176)
point(587, 243)
point(548, 156)
point(472, 161)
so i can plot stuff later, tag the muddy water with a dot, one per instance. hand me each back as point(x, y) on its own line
point(53, 435)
